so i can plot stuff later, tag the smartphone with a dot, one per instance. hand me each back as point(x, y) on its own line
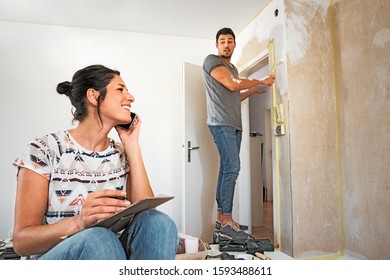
point(128, 125)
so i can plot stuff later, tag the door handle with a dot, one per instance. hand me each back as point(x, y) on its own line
point(190, 149)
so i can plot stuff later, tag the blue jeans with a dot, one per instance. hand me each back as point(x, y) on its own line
point(228, 141)
point(151, 235)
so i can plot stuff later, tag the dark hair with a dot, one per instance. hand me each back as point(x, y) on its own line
point(225, 31)
point(94, 76)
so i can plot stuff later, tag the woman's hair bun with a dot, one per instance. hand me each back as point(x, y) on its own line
point(64, 88)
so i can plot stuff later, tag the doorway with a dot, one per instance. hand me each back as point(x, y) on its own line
point(261, 159)
point(200, 159)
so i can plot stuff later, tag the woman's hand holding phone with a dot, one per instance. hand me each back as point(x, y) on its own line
point(130, 124)
point(129, 133)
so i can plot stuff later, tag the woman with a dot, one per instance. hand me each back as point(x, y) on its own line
point(69, 180)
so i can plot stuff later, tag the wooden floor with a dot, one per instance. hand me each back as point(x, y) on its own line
point(266, 230)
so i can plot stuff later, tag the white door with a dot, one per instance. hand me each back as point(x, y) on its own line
point(200, 156)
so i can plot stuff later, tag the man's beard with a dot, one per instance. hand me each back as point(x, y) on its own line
point(226, 56)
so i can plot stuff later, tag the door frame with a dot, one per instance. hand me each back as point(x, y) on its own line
point(256, 63)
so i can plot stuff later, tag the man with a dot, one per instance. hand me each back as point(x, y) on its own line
point(225, 91)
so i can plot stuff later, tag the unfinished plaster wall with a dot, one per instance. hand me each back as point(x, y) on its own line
point(317, 227)
point(338, 74)
point(362, 31)
point(333, 79)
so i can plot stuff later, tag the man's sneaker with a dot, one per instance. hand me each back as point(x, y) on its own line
point(232, 231)
point(241, 227)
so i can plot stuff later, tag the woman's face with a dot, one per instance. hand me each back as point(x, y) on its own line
point(115, 108)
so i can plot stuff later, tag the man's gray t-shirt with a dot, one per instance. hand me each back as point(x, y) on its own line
point(223, 105)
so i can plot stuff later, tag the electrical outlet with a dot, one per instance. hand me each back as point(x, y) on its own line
point(279, 129)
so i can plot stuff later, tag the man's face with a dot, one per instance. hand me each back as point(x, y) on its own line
point(225, 45)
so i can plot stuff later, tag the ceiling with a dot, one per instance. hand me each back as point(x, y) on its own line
point(188, 18)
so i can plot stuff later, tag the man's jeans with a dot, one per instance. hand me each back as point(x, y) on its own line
point(152, 235)
point(228, 141)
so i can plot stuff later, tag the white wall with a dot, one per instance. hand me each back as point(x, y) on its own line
point(258, 102)
point(35, 58)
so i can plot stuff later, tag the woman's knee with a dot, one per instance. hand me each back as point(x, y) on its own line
point(90, 244)
point(101, 242)
point(95, 234)
point(156, 219)
point(151, 235)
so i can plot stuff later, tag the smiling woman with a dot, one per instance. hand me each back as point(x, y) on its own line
point(75, 176)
